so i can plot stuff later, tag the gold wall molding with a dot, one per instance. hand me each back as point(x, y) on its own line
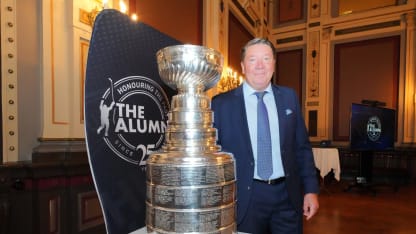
point(84, 45)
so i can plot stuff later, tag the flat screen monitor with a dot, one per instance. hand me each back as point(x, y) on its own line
point(372, 128)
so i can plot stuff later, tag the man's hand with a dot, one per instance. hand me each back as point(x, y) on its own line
point(310, 205)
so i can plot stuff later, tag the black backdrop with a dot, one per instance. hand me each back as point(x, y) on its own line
point(126, 106)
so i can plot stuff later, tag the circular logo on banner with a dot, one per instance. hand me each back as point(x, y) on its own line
point(373, 128)
point(133, 117)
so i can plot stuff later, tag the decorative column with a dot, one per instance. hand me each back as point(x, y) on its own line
point(409, 128)
point(326, 84)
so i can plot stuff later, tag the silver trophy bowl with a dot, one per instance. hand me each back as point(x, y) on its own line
point(189, 65)
point(190, 183)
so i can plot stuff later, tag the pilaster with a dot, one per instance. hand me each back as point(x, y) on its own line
point(9, 80)
point(65, 41)
point(410, 79)
point(317, 83)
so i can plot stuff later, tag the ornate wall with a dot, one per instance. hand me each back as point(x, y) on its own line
point(318, 26)
point(42, 83)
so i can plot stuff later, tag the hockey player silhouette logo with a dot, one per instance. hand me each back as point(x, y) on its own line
point(104, 113)
point(133, 115)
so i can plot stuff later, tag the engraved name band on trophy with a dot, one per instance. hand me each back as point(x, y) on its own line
point(190, 183)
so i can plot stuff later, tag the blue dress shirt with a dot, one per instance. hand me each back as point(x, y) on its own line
point(250, 100)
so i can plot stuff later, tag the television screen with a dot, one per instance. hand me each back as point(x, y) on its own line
point(372, 128)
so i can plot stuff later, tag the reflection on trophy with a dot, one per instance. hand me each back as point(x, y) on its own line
point(190, 183)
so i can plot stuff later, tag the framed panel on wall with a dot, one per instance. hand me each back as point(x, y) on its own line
point(344, 7)
point(289, 70)
point(364, 70)
point(287, 12)
point(163, 15)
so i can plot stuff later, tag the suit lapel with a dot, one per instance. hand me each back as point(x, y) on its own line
point(278, 98)
point(241, 117)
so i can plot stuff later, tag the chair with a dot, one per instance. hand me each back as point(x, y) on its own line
point(123, 89)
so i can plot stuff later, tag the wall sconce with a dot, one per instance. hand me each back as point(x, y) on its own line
point(229, 80)
point(93, 14)
point(88, 17)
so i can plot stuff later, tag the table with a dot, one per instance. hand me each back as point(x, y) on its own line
point(327, 159)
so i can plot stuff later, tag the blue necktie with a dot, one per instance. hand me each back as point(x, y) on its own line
point(264, 145)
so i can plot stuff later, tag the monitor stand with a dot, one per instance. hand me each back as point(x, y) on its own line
point(363, 181)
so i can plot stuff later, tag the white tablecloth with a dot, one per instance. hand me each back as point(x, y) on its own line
point(140, 231)
point(143, 231)
point(327, 159)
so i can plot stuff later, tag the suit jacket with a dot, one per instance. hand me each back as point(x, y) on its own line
point(297, 158)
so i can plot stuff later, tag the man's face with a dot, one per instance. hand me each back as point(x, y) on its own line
point(258, 66)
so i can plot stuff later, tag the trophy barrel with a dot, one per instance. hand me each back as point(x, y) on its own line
point(191, 184)
point(191, 195)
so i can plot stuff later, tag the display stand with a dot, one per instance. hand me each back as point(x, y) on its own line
point(363, 181)
point(372, 129)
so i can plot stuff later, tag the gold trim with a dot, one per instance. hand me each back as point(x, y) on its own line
point(46, 139)
point(54, 217)
point(84, 46)
point(53, 69)
point(89, 210)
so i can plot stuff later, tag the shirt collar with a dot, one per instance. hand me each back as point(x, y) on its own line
point(248, 90)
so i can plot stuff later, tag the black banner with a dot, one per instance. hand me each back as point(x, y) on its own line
point(126, 107)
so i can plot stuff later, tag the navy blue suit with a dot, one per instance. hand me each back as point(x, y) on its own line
point(233, 135)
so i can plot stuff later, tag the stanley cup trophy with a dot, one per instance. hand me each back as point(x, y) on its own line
point(190, 183)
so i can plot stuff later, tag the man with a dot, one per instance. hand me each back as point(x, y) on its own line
point(272, 203)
